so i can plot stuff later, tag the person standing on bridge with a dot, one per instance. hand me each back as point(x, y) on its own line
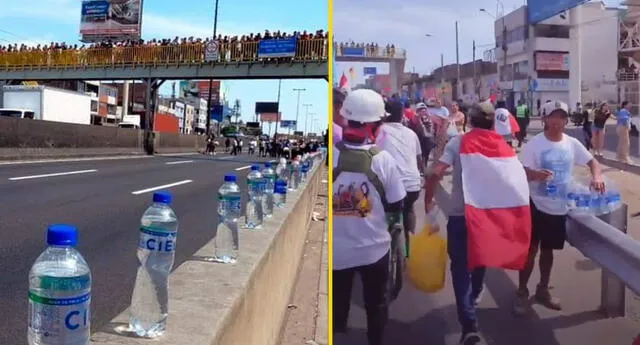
point(368, 194)
point(548, 160)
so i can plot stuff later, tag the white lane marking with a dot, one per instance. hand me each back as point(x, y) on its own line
point(178, 154)
point(178, 162)
point(142, 191)
point(52, 175)
point(243, 168)
point(64, 160)
point(228, 157)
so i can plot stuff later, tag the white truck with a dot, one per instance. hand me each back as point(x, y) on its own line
point(49, 104)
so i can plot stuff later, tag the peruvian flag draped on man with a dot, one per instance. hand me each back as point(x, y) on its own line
point(496, 196)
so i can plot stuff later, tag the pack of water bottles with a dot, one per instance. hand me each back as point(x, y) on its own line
point(582, 199)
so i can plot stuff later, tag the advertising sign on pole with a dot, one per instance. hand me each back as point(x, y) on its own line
point(217, 112)
point(288, 124)
point(211, 51)
point(275, 48)
point(270, 117)
point(113, 19)
point(540, 10)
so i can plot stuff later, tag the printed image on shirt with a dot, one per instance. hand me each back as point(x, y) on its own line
point(352, 200)
point(560, 161)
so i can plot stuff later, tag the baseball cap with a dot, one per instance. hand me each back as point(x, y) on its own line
point(432, 102)
point(420, 106)
point(484, 110)
point(552, 106)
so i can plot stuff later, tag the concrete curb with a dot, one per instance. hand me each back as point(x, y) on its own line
point(322, 321)
point(243, 303)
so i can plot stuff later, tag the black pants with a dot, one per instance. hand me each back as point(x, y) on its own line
point(374, 285)
point(588, 134)
point(523, 123)
point(409, 215)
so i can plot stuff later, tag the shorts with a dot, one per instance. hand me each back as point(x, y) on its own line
point(597, 129)
point(549, 230)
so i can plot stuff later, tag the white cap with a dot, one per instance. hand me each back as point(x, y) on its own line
point(283, 161)
point(552, 106)
point(421, 106)
point(364, 106)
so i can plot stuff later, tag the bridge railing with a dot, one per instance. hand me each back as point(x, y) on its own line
point(234, 52)
point(368, 51)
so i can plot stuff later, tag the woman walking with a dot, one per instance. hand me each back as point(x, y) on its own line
point(601, 114)
point(624, 126)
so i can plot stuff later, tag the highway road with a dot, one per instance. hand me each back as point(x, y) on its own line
point(105, 199)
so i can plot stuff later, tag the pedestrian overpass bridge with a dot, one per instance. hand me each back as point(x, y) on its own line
point(363, 53)
point(237, 60)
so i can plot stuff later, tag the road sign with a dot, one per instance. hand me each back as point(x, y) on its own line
point(288, 124)
point(211, 51)
point(540, 10)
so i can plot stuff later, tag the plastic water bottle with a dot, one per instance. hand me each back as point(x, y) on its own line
point(229, 210)
point(551, 189)
point(156, 253)
point(254, 214)
point(280, 194)
point(59, 292)
point(612, 197)
point(294, 180)
point(269, 176)
point(282, 171)
point(304, 169)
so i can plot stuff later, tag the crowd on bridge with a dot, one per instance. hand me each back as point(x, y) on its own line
point(231, 47)
point(369, 49)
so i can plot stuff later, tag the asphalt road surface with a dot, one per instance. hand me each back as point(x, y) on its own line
point(105, 200)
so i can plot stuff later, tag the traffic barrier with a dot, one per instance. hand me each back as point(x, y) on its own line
point(605, 241)
point(241, 303)
point(234, 52)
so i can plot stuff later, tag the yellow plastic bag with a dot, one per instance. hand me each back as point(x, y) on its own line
point(427, 259)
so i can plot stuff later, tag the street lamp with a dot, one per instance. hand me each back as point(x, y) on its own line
point(488, 13)
point(298, 105)
point(305, 122)
point(209, 105)
point(306, 114)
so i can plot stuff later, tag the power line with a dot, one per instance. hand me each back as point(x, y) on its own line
point(12, 34)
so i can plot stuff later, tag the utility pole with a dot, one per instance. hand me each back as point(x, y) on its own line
point(298, 106)
point(275, 134)
point(441, 68)
point(457, 64)
point(209, 105)
point(306, 115)
point(476, 89)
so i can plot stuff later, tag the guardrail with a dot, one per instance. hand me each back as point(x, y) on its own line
point(605, 241)
point(370, 51)
point(235, 52)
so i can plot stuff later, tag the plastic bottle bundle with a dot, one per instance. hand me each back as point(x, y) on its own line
point(583, 199)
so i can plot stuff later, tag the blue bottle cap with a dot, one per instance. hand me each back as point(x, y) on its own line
point(230, 178)
point(255, 167)
point(162, 197)
point(267, 165)
point(62, 235)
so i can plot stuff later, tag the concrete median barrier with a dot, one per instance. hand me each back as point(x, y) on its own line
point(243, 303)
point(33, 139)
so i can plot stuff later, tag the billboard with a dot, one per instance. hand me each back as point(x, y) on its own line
point(353, 51)
point(552, 61)
point(266, 107)
point(275, 48)
point(270, 117)
point(200, 88)
point(116, 19)
point(288, 124)
point(540, 10)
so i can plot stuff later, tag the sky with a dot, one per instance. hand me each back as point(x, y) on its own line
point(407, 23)
point(44, 21)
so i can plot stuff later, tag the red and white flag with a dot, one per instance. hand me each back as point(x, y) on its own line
point(496, 197)
point(344, 83)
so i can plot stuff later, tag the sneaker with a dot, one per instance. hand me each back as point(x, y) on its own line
point(521, 305)
point(543, 296)
point(471, 338)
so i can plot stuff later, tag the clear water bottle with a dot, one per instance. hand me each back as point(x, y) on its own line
point(229, 211)
point(551, 189)
point(304, 169)
point(156, 253)
point(598, 203)
point(282, 171)
point(254, 213)
point(269, 176)
point(59, 292)
point(294, 180)
point(280, 194)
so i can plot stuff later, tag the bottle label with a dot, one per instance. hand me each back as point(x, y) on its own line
point(232, 203)
point(281, 189)
point(257, 185)
point(60, 320)
point(157, 240)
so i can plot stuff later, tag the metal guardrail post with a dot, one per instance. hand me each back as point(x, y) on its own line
point(612, 292)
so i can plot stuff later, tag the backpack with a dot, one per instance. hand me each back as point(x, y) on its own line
point(359, 161)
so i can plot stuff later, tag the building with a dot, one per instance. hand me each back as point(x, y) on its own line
point(536, 61)
point(199, 118)
point(629, 55)
point(189, 114)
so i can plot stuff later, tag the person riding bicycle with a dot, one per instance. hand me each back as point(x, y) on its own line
point(368, 194)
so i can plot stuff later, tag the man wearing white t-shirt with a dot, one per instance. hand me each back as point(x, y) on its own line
point(366, 187)
point(549, 158)
point(403, 144)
